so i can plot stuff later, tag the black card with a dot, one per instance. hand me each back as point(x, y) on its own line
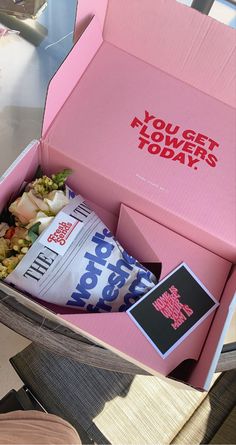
point(173, 309)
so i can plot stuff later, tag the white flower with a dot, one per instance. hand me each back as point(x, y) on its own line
point(56, 200)
point(39, 202)
point(24, 209)
point(43, 219)
point(28, 206)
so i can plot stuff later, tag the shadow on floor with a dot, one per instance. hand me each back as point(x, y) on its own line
point(71, 390)
point(222, 399)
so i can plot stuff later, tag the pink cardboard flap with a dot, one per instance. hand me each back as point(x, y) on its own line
point(171, 249)
point(177, 39)
point(70, 72)
point(202, 374)
point(142, 134)
point(150, 117)
point(117, 332)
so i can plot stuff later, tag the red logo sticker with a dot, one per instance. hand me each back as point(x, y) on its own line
point(61, 233)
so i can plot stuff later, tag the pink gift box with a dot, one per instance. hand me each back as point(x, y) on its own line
point(147, 121)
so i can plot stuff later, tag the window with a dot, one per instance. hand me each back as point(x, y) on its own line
point(222, 10)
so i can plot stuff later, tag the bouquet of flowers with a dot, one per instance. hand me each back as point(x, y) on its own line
point(28, 216)
point(55, 248)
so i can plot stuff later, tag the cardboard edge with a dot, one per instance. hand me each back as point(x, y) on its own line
point(86, 9)
point(186, 16)
point(212, 357)
point(152, 255)
point(33, 145)
point(220, 345)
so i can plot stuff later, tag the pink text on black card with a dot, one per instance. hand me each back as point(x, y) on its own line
point(170, 306)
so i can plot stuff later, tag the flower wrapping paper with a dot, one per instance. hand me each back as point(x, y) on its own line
point(77, 262)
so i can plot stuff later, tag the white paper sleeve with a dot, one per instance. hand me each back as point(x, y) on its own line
point(77, 262)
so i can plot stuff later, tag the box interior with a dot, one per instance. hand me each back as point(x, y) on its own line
point(110, 330)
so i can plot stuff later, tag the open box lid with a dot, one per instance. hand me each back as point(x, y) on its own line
point(139, 63)
point(173, 37)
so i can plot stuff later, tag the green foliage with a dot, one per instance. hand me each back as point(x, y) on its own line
point(33, 232)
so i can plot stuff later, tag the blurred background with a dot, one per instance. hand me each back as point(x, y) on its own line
point(27, 63)
point(222, 10)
